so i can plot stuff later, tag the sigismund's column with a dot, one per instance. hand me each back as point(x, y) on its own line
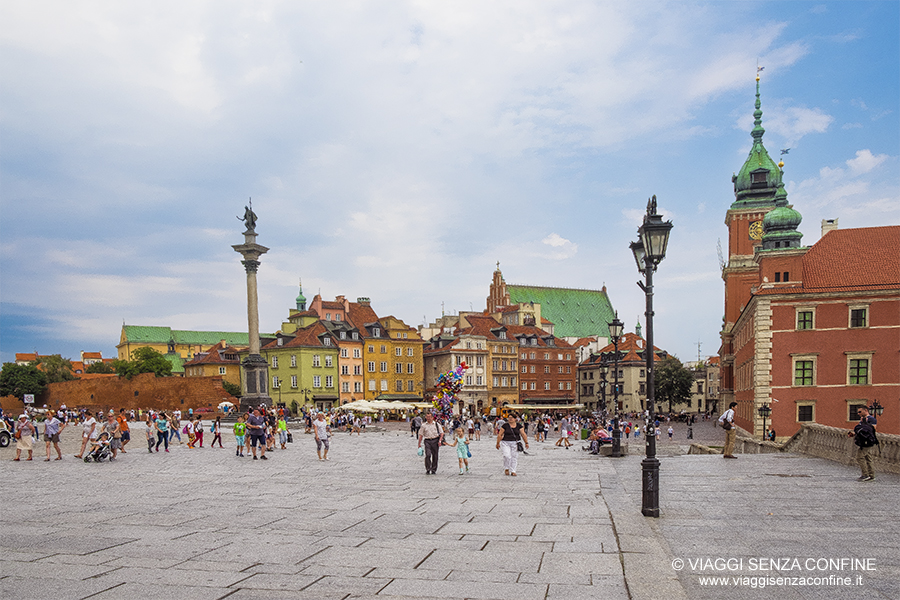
point(255, 368)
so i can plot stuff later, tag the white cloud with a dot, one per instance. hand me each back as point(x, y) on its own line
point(561, 247)
point(865, 162)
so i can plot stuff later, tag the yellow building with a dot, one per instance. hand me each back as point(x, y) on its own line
point(221, 360)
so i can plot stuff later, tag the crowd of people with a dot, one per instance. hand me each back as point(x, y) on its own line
point(265, 429)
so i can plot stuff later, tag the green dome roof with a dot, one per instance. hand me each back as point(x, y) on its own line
point(782, 217)
point(759, 178)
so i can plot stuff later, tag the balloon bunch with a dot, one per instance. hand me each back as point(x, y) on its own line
point(448, 386)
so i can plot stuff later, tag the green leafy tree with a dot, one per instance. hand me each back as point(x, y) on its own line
point(103, 368)
point(145, 360)
point(18, 380)
point(231, 388)
point(672, 382)
point(56, 367)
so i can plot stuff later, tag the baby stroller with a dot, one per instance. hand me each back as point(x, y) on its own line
point(100, 450)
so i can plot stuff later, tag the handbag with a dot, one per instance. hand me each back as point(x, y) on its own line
point(520, 447)
point(290, 438)
point(18, 434)
point(726, 425)
point(420, 451)
point(469, 452)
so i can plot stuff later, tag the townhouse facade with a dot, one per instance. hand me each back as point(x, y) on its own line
point(597, 376)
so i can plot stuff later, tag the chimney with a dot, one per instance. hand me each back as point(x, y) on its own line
point(829, 225)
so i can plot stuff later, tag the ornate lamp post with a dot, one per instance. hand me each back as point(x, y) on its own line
point(876, 409)
point(648, 252)
point(764, 411)
point(604, 371)
point(615, 334)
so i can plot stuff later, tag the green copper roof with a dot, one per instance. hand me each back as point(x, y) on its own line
point(757, 182)
point(138, 334)
point(574, 313)
point(177, 362)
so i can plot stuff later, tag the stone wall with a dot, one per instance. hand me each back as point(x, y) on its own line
point(141, 392)
point(834, 444)
point(831, 443)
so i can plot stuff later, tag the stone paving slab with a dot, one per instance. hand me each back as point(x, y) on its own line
point(369, 524)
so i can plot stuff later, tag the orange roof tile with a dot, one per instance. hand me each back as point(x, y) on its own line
point(844, 260)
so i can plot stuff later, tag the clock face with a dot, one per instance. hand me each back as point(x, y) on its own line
point(756, 230)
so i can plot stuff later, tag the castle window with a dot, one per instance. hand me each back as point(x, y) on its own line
point(804, 319)
point(805, 413)
point(758, 179)
point(804, 372)
point(858, 317)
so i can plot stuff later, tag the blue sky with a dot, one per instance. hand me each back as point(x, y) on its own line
point(399, 150)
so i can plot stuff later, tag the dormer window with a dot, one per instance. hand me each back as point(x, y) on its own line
point(502, 335)
point(758, 179)
point(354, 336)
point(343, 335)
point(326, 341)
point(376, 332)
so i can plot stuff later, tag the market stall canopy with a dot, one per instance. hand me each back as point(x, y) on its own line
point(386, 405)
point(360, 405)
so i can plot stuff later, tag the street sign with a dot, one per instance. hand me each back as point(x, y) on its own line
point(29, 398)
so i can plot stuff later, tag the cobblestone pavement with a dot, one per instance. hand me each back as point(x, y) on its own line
point(369, 524)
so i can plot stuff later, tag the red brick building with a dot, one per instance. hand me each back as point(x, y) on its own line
point(812, 332)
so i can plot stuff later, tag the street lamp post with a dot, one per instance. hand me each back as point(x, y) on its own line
point(615, 333)
point(876, 409)
point(649, 250)
point(764, 411)
point(604, 370)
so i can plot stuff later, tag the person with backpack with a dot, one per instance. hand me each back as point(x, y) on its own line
point(866, 441)
point(726, 421)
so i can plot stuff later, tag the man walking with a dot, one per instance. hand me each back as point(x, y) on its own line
point(256, 425)
point(866, 441)
point(430, 435)
point(727, 423)
point(322, 431)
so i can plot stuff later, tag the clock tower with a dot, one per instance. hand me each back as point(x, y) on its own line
point(758, 189)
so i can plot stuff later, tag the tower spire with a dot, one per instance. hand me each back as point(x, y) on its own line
point(758, 130)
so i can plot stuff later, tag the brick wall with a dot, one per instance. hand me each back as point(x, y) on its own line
point(141, 392)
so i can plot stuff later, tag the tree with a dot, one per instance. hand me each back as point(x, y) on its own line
point(672, 382)
point(104, 368)
point(56, 367)
point(231, 388)
point(145, 360)
point(18, 380)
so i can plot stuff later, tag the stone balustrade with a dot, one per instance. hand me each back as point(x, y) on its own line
point(835, 444)
point(831, 443)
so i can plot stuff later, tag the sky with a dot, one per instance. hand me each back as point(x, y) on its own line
point(398, 150)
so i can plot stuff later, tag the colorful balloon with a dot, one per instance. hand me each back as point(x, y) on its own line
point(449, 385)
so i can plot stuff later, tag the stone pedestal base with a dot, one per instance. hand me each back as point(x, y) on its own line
point(255, 388)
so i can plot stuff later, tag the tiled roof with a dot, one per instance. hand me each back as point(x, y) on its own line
point(846, 260)
point(215, 356)
point(307, 336)
point(176, 361)
point(630, 347)
point(27, 356)
point(574, 313)
point(139, 334)
point(91, 355)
